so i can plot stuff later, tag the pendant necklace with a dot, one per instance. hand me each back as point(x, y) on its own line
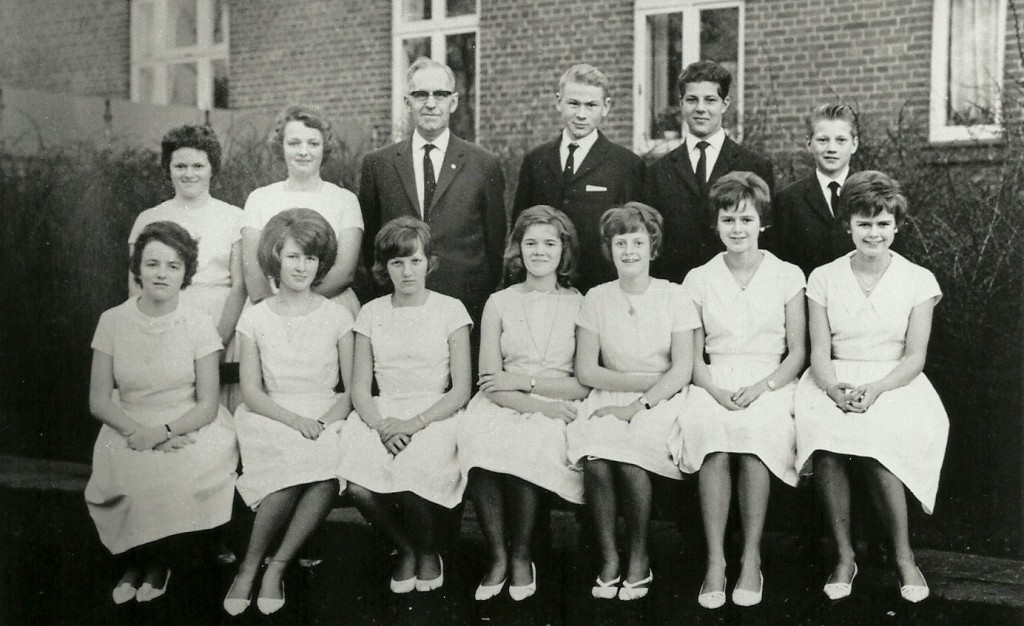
point(554, 321)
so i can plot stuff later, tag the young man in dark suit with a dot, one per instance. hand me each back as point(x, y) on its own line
point(453, 185)
point(581, 172)
point(677, 184)
point(808, 232)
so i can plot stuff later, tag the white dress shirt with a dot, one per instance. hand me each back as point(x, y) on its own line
point(583, 147)
point(715, 141)
point(436, 157)
point(823, 182)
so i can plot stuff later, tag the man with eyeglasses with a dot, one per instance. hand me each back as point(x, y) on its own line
point(581, 172)
point(453, 185)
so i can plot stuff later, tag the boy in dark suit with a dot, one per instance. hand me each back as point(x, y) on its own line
point(808, 233)
point(581, 172)
point(677, 184)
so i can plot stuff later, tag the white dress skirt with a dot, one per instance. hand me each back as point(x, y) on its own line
point(764, 429)
point(537, 339)
point(411, 364)
point(137, 497)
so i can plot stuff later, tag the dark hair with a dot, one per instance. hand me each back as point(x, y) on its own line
point(309, 230)
point(312, 117)
point(632, 217)
point(733, 188)
point(514, 271)
point(870, 192)
point(197, 137)
point(843, 112)
point(173, 236)
point(401, 237)
point(705, 72)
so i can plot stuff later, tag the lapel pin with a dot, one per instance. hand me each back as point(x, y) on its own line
point(453, 166)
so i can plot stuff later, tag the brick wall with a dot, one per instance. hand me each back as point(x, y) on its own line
point(525, 45)
point(78, 47)
point(334, 54)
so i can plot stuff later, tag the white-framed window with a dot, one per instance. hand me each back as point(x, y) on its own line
point(443, 30)
point(968, 43)
point(179, 52)
point(668, 36)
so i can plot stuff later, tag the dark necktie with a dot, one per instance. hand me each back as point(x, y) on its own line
point(429, 180)
point(570, 166)
point(834, 186)
point(702, 165)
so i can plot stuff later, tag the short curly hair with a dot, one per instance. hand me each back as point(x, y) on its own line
point(175, 237)
point(312, 117)
point(195, 136)
point(632, 217)
point(305, 227)
point(705, 72)
point(734, 188)
point(870, 192)
point(514, 270)
point(398, 238)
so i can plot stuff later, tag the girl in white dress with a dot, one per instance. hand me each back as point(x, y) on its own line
point(295, 345)
point(164, 462)
point(191, 156)
point(865, 402)
point(303, 139)
point(399, 447)
point(512, 437)
point(634, 347)
point(740, 408)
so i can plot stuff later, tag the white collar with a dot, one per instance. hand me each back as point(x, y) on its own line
point(715, 139)
point(824, 180)
point(585, 144)
point(441, 142)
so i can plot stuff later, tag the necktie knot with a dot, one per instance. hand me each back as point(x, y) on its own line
point(702, 146)
point(834, 186)
point(572, 147)
point(427, 148)
point(701, 171)
point(570, 165)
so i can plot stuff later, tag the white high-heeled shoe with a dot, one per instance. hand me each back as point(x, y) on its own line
point(745, 597)
point(711, 599)
point(522, 592)
point(434, 583)
point(838, 591)
point(605, 590)
point(148, 592)
point(486, 592)
point(634, 591)
point(915, 593)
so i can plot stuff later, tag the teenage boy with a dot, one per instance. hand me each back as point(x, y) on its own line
point(581, 172)
point(808, 231)
point(677, 184)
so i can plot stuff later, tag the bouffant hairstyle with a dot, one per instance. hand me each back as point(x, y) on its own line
point(732, 189)
point(843, 112)
point(584, 74)
point(514, 270)
point(705, 72)
point(632, 217)
point(197, 137)
point(870, 192)
point(398, 238)
point(312, 117)
point(175, 237)
point(309, 230)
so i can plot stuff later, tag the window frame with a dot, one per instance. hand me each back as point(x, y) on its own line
point(690, 9)
point(939, 132)
point(204, 53)
point(437, 28)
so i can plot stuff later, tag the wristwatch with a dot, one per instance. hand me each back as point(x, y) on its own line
point(771, 384)
point(533, 383)
point(644, 401)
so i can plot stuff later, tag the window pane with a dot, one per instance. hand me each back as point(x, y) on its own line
point(182, 14)
point(220, 84)
point(414, 49)
point(665, 34)
point(973, 74)
point(416, 10)
point(460, 7)
point(220, 14)
point(461, 57)
point(719, 42)
point(183, 84)
point(145, 34)
point(145, 78)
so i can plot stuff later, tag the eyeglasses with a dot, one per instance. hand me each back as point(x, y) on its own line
point(419, 96)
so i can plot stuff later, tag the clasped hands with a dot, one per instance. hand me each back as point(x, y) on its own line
point(396, 433)
point(741, 398)
point(155, 438)
point(505, 381)
point(852, 399)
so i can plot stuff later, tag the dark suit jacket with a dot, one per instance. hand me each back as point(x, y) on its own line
point(466, 217)
point(671, 187)
point(806, 234)
point(612, 173)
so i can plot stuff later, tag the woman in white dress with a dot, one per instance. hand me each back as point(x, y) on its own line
point(303, 139)
point(865, 402)
point(512, 437)
point(399, 447)
point(191, 156)
point(295, 346)
point(739, 413)
point(634, 348)
point(164, 461)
